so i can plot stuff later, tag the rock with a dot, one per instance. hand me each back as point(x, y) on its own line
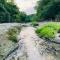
point(57, 38)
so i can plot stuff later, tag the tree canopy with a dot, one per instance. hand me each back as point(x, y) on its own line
point(48, 9)
point(9, 12)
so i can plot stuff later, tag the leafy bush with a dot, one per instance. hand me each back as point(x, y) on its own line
point(34, 23)
point(48, 31)
point(12, 33)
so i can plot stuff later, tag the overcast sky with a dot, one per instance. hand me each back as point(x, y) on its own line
point(26, 5)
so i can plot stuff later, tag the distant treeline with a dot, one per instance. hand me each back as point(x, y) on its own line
point(47, 10)
point(9, 12)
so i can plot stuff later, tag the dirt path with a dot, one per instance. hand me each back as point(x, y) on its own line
point(28, 34)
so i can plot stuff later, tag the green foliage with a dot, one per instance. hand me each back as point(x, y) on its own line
point(29, 18)
point(3, 11)
point(34, 20)
point(22, 17)
point(34, 23)
point(13, 11)
point(12, 33)
point(48, 31)
point(48, 9)
point(9, 12)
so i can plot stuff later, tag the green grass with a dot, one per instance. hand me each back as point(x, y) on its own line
point(12, 33)
point(48, 31)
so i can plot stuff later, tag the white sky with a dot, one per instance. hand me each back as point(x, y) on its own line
point(26, 5)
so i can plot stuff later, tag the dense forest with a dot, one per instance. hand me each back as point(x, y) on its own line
point(48, 10)
point(9, 12)
point(45, 10)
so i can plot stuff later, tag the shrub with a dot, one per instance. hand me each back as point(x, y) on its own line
point(12, 34)
point(34, 23)
point(48, 31)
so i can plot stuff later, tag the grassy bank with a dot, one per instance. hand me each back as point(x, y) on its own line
point(49, 30)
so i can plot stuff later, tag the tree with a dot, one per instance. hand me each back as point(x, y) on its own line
point(48, 9)
point(3, 12)
point(13, 10)
point(8, 11)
